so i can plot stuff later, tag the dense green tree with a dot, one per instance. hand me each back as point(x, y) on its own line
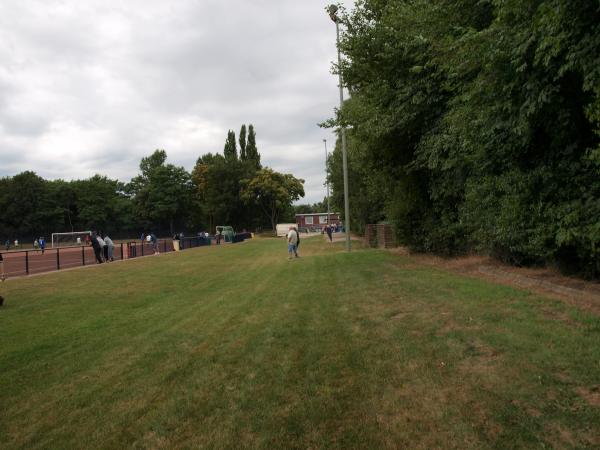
point(230, 150)
point(251, 148)
point(24, 202)
point(243, 143)
point(474, 124)
point(162, 193)
point(272, 192)
point(99, 203)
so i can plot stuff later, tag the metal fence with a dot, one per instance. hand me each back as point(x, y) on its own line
point(28, 262)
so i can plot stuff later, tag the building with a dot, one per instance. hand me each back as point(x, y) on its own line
point(317, 221)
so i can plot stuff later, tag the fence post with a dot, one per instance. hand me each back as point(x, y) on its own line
point(58, 259)
point(121, 250)
point(82, 255)
point(27, 262)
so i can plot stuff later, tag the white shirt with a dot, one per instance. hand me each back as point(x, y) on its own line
point(292, 237)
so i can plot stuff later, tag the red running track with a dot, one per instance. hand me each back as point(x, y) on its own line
point(27, 262)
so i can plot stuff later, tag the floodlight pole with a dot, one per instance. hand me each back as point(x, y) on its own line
point(333, 15)
point(327, 184)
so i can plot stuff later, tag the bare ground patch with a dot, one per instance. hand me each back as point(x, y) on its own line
point(573, 291)
point(590, 394)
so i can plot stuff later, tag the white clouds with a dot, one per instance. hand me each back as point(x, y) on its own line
point(91, 87)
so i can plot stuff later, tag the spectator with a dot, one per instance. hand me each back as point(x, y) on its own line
point(78, 240)
point(42, 243)
point(329, 232)
point(36, 244)
point(16, 243)
point(97, 248)
point(109, 248)
point(218, 237)
point(101, 244)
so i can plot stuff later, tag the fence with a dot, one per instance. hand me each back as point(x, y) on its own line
point(28, 262)
point(380, 235)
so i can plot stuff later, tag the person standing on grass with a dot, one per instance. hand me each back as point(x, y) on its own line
point(297, 243)
point(109, 248)
point(97, 248)
point(42, 243)
point(329, 232)
point(292, 238)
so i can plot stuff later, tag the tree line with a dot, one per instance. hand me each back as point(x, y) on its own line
point(232, 188)
point(474, 125)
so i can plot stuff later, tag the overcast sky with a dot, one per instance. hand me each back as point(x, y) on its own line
point(93, 86)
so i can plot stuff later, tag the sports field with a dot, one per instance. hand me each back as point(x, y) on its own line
point(237, 347)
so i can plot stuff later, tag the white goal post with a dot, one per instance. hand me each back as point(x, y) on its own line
point(66, 239)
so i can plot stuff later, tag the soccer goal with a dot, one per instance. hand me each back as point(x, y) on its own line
point(67, 239)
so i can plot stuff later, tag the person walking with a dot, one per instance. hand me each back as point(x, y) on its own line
point(329, 232)
point(42, 243)
point(297, 243)
point(97, 248)
point(154, 242)
point(292, 238)
point(109, 248)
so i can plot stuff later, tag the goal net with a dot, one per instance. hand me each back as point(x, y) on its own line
point(67, 239)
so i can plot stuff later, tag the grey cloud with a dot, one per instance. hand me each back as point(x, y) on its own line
point(91, 87)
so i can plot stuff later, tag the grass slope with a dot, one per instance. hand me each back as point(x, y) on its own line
point(236, 347)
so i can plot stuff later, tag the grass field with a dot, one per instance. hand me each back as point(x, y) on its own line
point(237, 347)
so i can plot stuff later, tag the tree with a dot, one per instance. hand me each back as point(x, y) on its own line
point(243, 143)
point(100, 204)
point(272, 192)
point(230, 150)
point(162, 192)
point(251, 149)
point(479, 122)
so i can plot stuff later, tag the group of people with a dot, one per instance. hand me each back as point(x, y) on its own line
point(7, 244)
point(40, 244)
point(103, 246)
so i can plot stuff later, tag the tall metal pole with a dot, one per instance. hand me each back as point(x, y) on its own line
point(327, 184)
point(343, 131)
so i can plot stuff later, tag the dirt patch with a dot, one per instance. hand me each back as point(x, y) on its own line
point(546, 281)
point(591, 395)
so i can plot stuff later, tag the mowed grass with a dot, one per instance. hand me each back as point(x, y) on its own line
point(237, 347)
